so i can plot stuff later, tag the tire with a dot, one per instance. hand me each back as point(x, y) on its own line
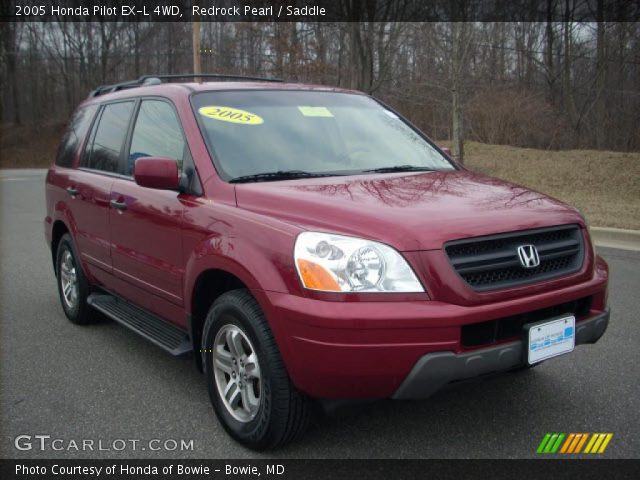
point(263, 409)
point(68, 269)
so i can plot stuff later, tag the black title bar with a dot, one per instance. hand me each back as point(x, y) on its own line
point(316, 469)
point(321, 10)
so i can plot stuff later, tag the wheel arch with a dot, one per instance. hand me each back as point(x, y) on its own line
point(208, 286)
point(58, 230)
point(242, 258)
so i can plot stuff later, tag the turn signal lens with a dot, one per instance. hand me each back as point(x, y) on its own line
point(316, 277)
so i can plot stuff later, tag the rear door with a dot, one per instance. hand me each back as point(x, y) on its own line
point(146, 223)
point(89, 186)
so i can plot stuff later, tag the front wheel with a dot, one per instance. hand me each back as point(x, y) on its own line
point(249, 387)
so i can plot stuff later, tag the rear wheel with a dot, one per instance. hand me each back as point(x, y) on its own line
point(248, 384)
point(73, 287)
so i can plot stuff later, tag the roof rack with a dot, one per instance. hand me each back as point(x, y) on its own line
point(157, 80)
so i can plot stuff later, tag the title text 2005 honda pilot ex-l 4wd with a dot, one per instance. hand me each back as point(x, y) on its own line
point(307, 242)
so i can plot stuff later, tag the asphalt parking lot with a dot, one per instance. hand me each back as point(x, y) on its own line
point(102, 382)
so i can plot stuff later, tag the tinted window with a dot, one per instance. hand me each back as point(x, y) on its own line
point(75, 134)
point(109, 137)
point(251, 132)
point(157, 134)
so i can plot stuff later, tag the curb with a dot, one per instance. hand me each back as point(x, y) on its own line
point(616, 238)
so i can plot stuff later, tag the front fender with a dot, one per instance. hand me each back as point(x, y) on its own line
point(217, 254)
point(262, 258)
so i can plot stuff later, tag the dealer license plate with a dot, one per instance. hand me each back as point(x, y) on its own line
point(550, 338)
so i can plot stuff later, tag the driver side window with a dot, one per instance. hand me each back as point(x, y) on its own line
point(157, 133)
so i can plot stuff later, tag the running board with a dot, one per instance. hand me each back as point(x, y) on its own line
point(154, 329)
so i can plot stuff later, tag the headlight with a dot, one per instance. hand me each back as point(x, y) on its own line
point(335, 263)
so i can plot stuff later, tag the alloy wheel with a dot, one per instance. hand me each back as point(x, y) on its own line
point(237, 373)
point(69, 280)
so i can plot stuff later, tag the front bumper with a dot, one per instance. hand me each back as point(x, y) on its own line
point(435, 370)
point(367, 349)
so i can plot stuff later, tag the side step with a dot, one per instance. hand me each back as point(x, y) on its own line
point(154, 329)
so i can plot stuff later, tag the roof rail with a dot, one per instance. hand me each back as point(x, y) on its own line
point(157, 80)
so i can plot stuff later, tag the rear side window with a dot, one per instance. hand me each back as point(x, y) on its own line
point(77, 130)
point(157, 134)
point(104, 151)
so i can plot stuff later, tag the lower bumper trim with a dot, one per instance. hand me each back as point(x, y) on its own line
point(434, 370)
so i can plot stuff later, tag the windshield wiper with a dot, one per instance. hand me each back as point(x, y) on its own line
point(400, 168)
point(279, 175)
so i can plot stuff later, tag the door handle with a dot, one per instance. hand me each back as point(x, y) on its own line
point(72, 191)
point(118, 205)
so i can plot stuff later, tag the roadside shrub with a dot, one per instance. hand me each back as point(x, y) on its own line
point(518, 118)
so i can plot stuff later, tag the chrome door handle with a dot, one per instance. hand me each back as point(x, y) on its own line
point(72, 191)
point(118, 205)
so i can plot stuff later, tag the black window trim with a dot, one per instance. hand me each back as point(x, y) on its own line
point(129, 135)
point(136, 113)
point(94, 129)
point(79, 150)
point(97, 114)
point(131, 128)
point(89, 140)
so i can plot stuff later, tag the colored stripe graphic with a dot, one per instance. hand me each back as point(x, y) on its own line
point(581, 443)
point(556, 446)
point(573, 443)
point(598, 443)
point(543, 443)
point(551, 443)
point(567, 442)
point(594, 437)
point(605, 443)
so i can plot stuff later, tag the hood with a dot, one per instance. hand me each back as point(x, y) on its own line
point(417, 211)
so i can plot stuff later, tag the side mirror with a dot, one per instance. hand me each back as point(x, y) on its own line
point(156, 172)
point(447, 151)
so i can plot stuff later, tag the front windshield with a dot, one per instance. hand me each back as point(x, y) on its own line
point(255, 132)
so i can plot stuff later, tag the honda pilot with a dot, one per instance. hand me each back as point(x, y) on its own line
point(304, 242)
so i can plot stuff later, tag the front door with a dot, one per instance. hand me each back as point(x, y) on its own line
point(146, 236)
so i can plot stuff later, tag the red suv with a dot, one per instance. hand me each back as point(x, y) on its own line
point(307, 242)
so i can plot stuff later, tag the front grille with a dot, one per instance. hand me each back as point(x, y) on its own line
point(486, 333)
point(491, 262)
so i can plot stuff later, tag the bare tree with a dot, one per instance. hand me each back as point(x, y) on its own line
point(601, 73)
point(10, 36)
point(197, 65)
point(461, 35)
point(552, 84)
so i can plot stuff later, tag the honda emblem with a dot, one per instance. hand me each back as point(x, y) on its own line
point(528, 255)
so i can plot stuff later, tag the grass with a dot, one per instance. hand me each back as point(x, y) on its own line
point(605, 186)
